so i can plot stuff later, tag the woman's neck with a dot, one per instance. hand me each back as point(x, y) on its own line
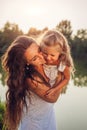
point(41, 71)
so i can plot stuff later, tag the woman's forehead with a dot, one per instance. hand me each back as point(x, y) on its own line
point(32, 47)
point(31, 51)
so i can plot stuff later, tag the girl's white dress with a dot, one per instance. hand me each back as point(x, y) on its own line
point(40, 114)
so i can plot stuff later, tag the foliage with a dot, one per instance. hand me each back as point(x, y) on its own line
point(80, 78)
point(79, 45)
point(2, 111)
point(35, 32)
point(7, 34)
point(2, 74)
point(65, 27)
point(79, 52)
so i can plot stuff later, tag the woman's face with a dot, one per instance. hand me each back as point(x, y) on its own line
point(34, 56)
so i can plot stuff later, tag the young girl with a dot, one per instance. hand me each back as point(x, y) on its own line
point(59, 63)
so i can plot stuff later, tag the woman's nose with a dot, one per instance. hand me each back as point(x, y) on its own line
point(48, 57)
point(40, 54)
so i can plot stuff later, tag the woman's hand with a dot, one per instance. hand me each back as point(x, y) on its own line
point(53, 93)
point(41, 90)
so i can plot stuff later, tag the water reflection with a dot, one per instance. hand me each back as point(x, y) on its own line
point(80, 78)
point(80, 81)
point(71, 109)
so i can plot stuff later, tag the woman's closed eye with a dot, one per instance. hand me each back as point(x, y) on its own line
point(44, 53)
point(34, 58)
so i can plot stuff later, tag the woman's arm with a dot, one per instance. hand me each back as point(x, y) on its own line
point(41, 89)
point(44, 91)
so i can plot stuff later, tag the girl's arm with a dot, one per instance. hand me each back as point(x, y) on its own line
point(63, 83)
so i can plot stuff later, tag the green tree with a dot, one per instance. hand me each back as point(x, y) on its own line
point(79, 52)
point(65, 27)
point(33, 32)
point(7, 34)
point(2, 111)
point(81, 34)
point(79, 45)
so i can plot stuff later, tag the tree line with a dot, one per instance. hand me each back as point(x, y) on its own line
point(77, 42)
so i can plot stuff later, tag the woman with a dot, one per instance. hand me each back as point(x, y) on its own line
point(26, 103)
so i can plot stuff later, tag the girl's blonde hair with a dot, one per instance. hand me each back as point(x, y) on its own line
point(53, 38)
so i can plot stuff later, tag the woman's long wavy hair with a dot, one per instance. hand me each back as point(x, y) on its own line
point(14, 63)
point(54, 38)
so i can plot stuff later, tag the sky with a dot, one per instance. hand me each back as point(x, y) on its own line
point(43, 13)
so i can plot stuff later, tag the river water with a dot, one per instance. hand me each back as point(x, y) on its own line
point(70, 109)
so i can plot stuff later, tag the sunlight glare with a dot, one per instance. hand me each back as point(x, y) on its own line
point(35, 11)
point(30, 13)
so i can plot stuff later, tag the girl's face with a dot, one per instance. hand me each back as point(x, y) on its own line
point(51, 55)
point(34, 56)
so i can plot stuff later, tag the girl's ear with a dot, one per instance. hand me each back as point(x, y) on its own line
point(62, 56)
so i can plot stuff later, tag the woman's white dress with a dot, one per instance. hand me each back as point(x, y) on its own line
point(40, 114)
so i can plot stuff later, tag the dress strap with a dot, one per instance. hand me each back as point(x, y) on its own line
point(61, 67)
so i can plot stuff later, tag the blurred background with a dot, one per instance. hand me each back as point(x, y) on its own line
point(33, 18)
